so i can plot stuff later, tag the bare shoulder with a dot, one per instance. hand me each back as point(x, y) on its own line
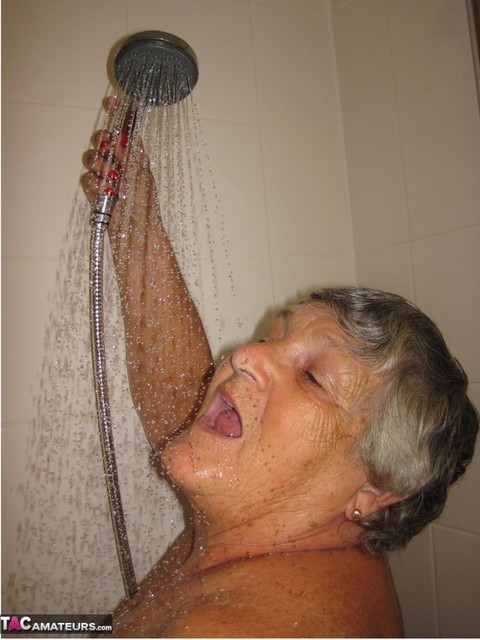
point(309, 594)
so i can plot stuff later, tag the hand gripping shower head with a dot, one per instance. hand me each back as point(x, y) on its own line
point(156, 68)
point(152, 68)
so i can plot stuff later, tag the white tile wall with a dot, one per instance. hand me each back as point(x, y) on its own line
point(440, 134)
point(41, 175)
point(457, 558)
point(413, 571)
point(311, 7)
point(377, 190)
point(240, 183)
point(445, 268)
point(304, 180)
point(363, 60)
point(386, 268)
point(52, 50)
point(296, 276)
point(294, 59)
point(428, 43)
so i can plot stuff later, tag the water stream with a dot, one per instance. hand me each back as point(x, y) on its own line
point(65, 556)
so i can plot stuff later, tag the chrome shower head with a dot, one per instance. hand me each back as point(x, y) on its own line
point(155, 67)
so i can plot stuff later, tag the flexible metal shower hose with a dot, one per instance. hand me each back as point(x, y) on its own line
point(100, 216)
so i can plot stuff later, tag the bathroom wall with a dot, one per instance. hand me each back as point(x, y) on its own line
point(272, 74)
point(268, 103)
point(412, 140)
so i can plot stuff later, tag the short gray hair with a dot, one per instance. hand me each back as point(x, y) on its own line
point(421, 425)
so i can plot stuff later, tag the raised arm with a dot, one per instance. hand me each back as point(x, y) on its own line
point(168, 357)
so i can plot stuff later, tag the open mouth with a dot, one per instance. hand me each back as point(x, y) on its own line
point(222, 417)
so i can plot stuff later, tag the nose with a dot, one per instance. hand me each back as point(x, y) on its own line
point(255, 363)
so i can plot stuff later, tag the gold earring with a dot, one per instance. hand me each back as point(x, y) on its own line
point(357, 514)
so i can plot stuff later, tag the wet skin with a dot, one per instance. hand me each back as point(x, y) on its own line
point(274, 551)
point(291, 469)
point(325, 593)
point(267, 465)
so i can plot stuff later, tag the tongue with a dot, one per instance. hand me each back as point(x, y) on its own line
point(228, 424)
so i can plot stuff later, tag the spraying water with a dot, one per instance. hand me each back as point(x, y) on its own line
point(153, 68)
point(66, 557)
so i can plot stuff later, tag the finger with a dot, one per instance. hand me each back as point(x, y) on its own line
point(90, 185)
point(102, 139)
point(94, 184)
point(112, 145)
point(110, 104)
point(103, 166)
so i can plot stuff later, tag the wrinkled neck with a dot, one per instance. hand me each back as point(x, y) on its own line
point(217, 543)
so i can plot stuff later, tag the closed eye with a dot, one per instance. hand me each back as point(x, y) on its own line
point(311, 378)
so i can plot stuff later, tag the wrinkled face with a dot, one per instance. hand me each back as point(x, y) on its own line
point(275, 429)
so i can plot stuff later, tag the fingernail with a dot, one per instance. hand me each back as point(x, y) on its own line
point(103, 145)
point(113, 174)
point(109, 191)
point(123, 140)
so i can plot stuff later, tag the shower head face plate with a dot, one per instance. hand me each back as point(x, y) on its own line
point(157, 68)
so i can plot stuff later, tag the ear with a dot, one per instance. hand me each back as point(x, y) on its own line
point(369, 499)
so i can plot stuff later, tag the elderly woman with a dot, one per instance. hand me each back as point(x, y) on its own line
point(304, 458)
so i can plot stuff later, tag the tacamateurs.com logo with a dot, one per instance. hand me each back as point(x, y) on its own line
point(48, 623)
